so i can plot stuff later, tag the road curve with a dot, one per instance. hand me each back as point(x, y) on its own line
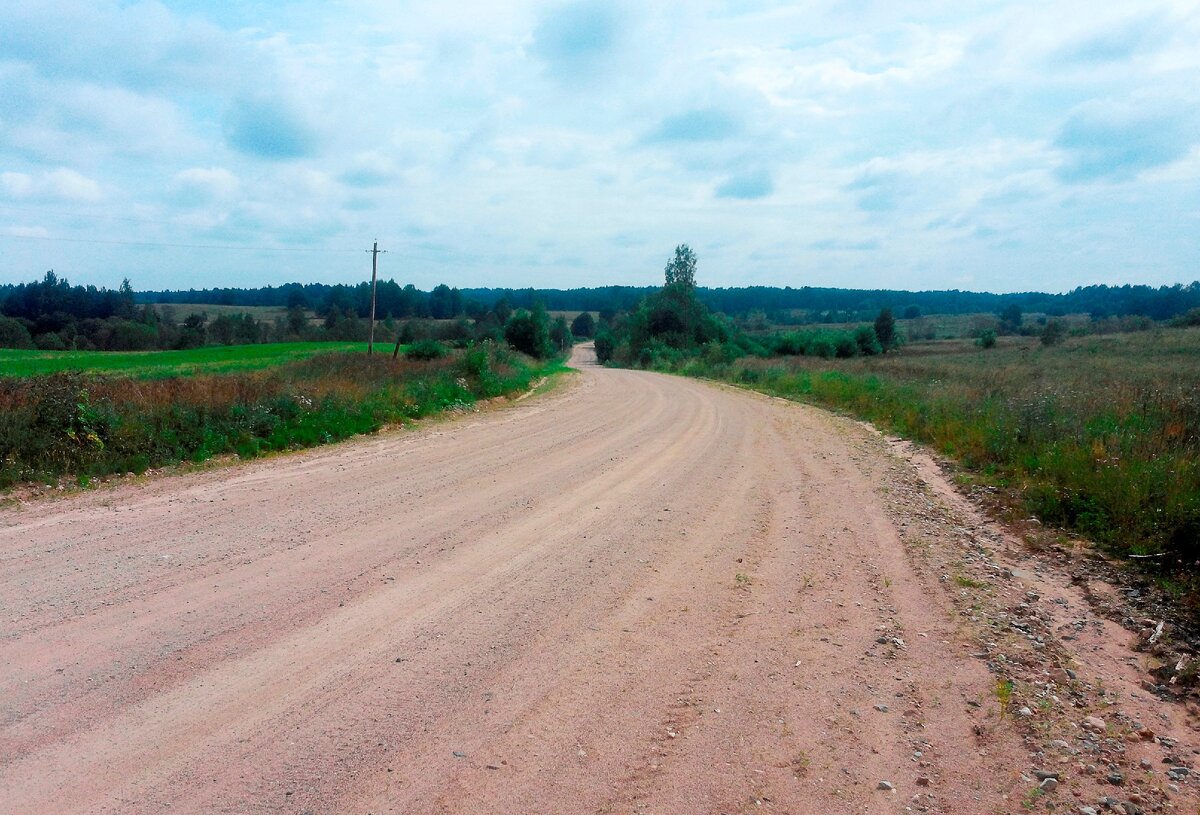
point(640, 593)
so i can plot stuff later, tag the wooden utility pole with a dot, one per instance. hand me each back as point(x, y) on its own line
point(375, 252)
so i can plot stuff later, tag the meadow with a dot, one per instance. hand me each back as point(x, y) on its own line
point(1099, 434)
point(85, 425)
point(156, 364)
point(182, 311)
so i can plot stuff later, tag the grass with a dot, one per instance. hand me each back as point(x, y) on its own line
point(1004, 692)
point(87, 425)
point(937, 326)
point(967, 583)
point(1100, 434)
point(158, 364)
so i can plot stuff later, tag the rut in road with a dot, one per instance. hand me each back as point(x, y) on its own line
point(638, 594)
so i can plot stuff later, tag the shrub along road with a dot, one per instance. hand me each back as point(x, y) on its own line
point(639, 593)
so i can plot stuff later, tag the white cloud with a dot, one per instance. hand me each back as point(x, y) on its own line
point(203, 185)
point(564, 142)
point(58, 185)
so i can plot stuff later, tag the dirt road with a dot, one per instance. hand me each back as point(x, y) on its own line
point(637, 594)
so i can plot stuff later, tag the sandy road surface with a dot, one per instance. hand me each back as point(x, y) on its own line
point(638, 594)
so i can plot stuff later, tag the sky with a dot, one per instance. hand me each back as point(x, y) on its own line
point(994, 145)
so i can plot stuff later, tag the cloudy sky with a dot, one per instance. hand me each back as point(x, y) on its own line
point(992, 145)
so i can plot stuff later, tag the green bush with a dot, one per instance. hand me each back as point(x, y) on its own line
point(529, 333)
point(426, 350)
point(14, 334)
point(1053, 332)
point(605, 346)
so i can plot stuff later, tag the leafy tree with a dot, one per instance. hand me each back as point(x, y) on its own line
point(127, 335)
point(220, 330)
point(584, 325)
point(987, 339)
point(529, 332)
point(668, 323)
point(866, 341)
point(297, 320)
point(885, 329)
point(681, 269)
point(606, 345)
point(14, 334)
point(503, 309)
point(445, 302)
point(125, 307)
point(1011, 317)
point(560, 335)
point(50, 342)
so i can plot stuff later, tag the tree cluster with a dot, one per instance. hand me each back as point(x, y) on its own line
point(673, 324)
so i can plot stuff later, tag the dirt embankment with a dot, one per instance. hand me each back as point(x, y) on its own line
point(638, 594)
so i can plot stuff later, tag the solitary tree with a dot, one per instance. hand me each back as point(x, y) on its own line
point(583, 325)
point(681, 270)
point(1010, 318)
point(885, 328)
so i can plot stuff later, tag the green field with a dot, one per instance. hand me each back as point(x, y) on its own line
point(158, 364)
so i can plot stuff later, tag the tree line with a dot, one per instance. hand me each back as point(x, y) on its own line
point(51, 314)
point(814, 304)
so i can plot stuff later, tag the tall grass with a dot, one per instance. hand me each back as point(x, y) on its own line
point(1100, 435)
point(89, 425)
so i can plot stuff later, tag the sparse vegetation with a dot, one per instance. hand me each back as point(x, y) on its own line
point(1004, 692)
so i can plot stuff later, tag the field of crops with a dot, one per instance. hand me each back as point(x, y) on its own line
point(156, 364)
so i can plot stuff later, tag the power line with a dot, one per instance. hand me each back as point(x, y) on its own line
point(226, 247)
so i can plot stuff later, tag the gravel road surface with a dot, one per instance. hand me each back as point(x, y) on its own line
point(637, 593)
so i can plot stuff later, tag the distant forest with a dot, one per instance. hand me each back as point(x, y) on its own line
point(52, 314)
point(816, 304)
